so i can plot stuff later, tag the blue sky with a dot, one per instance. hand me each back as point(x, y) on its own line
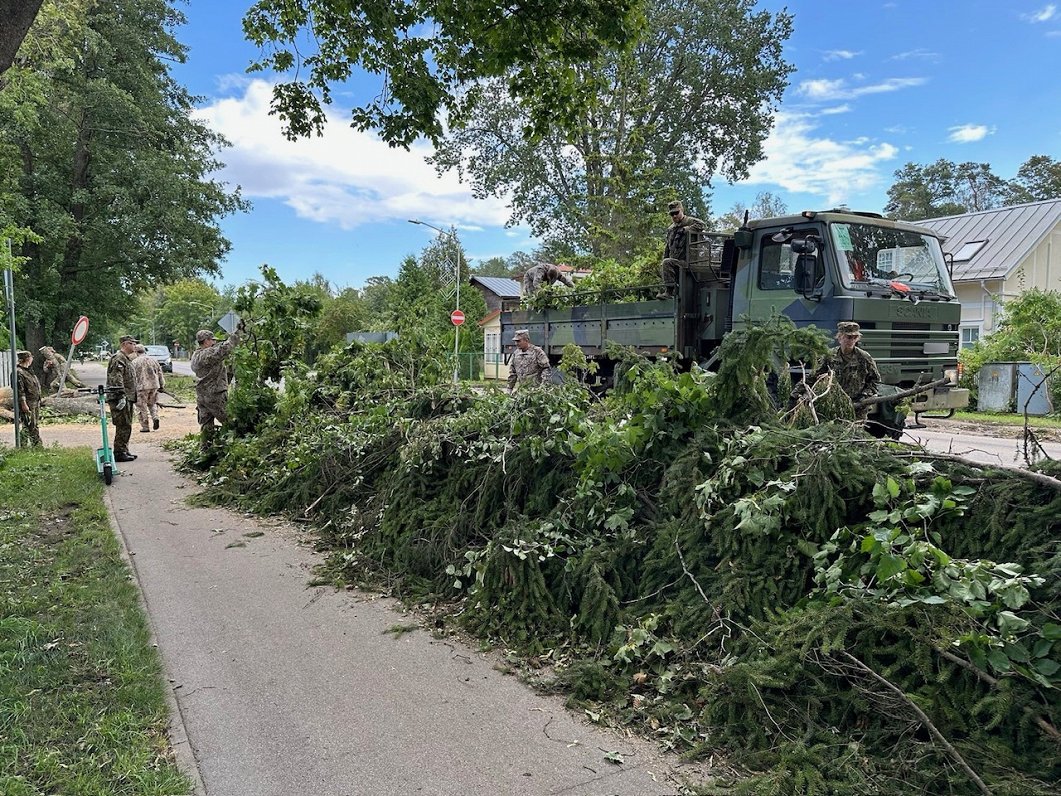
point(877, 85)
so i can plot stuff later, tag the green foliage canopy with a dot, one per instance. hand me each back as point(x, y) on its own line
point(945, 188)
point(431, 78)
point(692, 99)
point(112, 171)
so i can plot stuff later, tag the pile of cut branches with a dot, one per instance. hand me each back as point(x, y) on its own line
point(839, 615)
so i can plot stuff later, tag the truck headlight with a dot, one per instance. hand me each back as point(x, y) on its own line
point(951, 375)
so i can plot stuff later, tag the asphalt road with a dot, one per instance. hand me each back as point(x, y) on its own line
point(978, 447)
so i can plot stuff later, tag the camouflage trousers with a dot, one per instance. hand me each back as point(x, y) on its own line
point(532, 282)
point(122, 419)
point(147, 406)
point(31, 432)
point(209, 408)
point(668, 271)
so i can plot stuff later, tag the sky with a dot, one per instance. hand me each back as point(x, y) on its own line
point(876, 85)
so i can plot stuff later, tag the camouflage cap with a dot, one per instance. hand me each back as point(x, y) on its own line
point(520, 335)
point(203, 334)
point(127, 338)
point(848, 327)
point(672, 206)
point(141, 350)
point(44, 349)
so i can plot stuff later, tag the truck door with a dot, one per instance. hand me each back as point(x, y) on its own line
point(769, 286)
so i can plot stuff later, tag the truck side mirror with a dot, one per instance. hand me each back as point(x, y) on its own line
point(743, 238)
point(805, 274)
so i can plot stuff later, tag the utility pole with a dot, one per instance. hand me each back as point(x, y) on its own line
point(457, 280)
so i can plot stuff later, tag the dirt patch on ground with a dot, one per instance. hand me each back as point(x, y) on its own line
point(174, 423)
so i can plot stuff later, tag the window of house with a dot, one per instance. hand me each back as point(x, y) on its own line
point(968, 250)
point(970, 334)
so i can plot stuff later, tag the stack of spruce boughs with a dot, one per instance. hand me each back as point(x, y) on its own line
point(837, 615)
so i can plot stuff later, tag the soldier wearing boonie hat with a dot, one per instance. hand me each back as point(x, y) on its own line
point(530, 364)
point(853, 368)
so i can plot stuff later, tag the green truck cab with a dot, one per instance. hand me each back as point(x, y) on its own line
point(817, 268)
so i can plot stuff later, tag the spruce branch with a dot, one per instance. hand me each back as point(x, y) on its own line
point(922, 717)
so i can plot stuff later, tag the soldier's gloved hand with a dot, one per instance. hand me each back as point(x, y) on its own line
point(122, 403)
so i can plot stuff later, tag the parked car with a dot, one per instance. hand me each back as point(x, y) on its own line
point(161, 353)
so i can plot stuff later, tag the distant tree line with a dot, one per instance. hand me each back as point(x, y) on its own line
point(945, 188)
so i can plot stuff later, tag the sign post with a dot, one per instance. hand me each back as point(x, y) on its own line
point(457, 317)
point(77, 336)
point(9, 292)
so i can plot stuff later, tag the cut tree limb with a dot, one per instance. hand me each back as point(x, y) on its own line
point(887, 399)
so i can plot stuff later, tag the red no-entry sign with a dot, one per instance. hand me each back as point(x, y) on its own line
point(457, 317)
point(80, 330)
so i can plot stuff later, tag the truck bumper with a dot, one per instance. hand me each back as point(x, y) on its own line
point(954, 398)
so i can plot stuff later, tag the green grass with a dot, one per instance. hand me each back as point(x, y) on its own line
point(1007, 419)
point(82, 700)
point(181, 387)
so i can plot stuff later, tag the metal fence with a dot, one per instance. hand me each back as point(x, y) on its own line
point(5, 368)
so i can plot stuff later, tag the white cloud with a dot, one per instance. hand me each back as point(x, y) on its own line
point(840, 55)
point(835, 109)
point(345, 177)
point(967, 133)
point(799, 161)
point(824, 90)
point(920, 54)
point(1044, 14)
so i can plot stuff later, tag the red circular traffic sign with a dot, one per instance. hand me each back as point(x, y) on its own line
point(457, 317)
point(80, 330)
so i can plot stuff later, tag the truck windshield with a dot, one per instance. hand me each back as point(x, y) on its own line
point(870, 254)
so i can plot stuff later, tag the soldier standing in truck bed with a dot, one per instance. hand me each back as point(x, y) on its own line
point(543, 274)
point(675, 250)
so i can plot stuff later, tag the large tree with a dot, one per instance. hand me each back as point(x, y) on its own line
point(113, 173)
point(1039, 177)
point(691, 100)
point(431, 55)
point(16, 17)
point(945, 188)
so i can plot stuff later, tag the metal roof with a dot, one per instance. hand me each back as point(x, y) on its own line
point(499, 286)
point(1011, 234)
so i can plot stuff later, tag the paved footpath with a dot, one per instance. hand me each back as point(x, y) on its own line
point(285, 690)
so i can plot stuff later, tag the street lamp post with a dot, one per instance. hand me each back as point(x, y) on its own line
point(457, 281)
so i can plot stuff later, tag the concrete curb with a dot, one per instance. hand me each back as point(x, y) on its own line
point(179, 742)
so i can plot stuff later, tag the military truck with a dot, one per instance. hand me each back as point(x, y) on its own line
point(817, 268)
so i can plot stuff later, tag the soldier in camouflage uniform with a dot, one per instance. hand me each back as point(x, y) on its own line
point(29, 401)
point(211, 390)
point(530, 364)
point(675, 251)
point(853, 368)
point(149, 380)
point(121, 395)
point(543, 274)
point(53, 364)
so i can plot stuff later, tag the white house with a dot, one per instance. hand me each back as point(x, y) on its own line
point(998, 254)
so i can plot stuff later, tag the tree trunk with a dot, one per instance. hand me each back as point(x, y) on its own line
point(16, 18)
